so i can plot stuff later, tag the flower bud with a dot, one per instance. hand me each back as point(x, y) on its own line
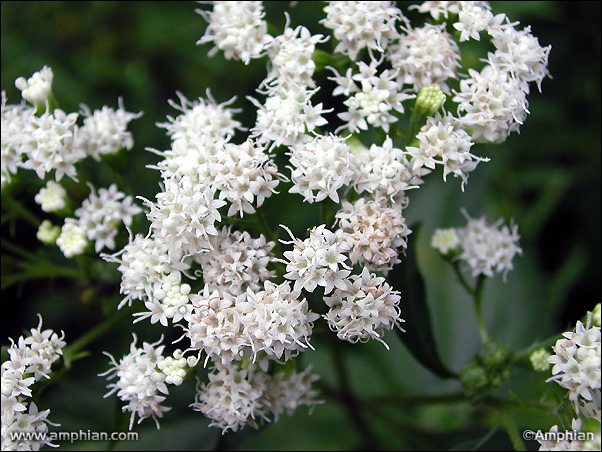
point(429, 100)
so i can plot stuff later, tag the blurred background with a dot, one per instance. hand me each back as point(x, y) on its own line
point(547, 178)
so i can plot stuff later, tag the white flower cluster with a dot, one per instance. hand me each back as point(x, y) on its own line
point(237, 29)
point(576, 367)
point(442, 141)
point(486, 249)
point(97, 220)
point(50, 141)
point(139, 381)
point(30, 360)
point(235, 397)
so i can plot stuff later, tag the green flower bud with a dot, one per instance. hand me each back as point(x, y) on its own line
point(429, 100)
point(48, 232)
point(539, 360)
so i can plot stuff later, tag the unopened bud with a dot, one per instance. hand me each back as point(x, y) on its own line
point(429, 100)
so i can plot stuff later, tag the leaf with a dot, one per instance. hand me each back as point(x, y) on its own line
point(418, 336)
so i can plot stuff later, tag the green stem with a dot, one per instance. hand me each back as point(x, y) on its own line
point(478, 306)
point(70, 353)
point(20, 211)
point(350, 403)
point(510, 426)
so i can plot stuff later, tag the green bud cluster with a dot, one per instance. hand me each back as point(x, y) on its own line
point(429, 100)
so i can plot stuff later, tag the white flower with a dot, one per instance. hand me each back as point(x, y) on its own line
point(320, 168)
point(16, 120)
point(232, 398)
point(184, 216)
point(443, 141)
point(101, 215)
point(50, 145)
point(519, 53)
point(244, 175)
point(425, 56)
point(493, 103)
point(139, 382)
point(318, 260)
point(169, 301)
point(278, 322)
point(287, 390)
point(361, 24)
point(475, 17)
point(48, 232)
point(105, 131)
point(236, 261)
point(52, 197)
point(216, 325)
point(29, 360)
point(488, 249)
point(201, 118)
point(37, 89)
point(384, 171)
point(237, 28)
point(363, 309)
point(31, 421)
point(439, 9)
point(72, 240)
point(576, 367)
point(287, 117)
point(373, 97)
point(142, 263)
point(291, 62)
point(375, 232)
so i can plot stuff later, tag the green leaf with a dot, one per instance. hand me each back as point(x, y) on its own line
point(418, 336)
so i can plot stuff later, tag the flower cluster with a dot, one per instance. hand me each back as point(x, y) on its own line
point(50, 141)
point(485, 249)
point(576, 367)
point(30, 360)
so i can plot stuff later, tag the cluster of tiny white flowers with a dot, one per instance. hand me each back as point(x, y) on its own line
point(273, 322)
point(236, 262)
point(139, 381)
point(291, 58)
point(576, 367)
point(320, 168)
point(385, 171)
point(443, 142)
point(37, 89)
point(486, 249)
point(169, 300)
point(318, 260)
point(30, 359)
point(425, 56)
point(102, 213)
point(287, 116)
point(142, 264)
point(236, 28)
point(50, 140)
point(104, 131)
point(372, 97)
point(362, 24)
point(375, 232)
point(363, 309)
point(236, 396)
